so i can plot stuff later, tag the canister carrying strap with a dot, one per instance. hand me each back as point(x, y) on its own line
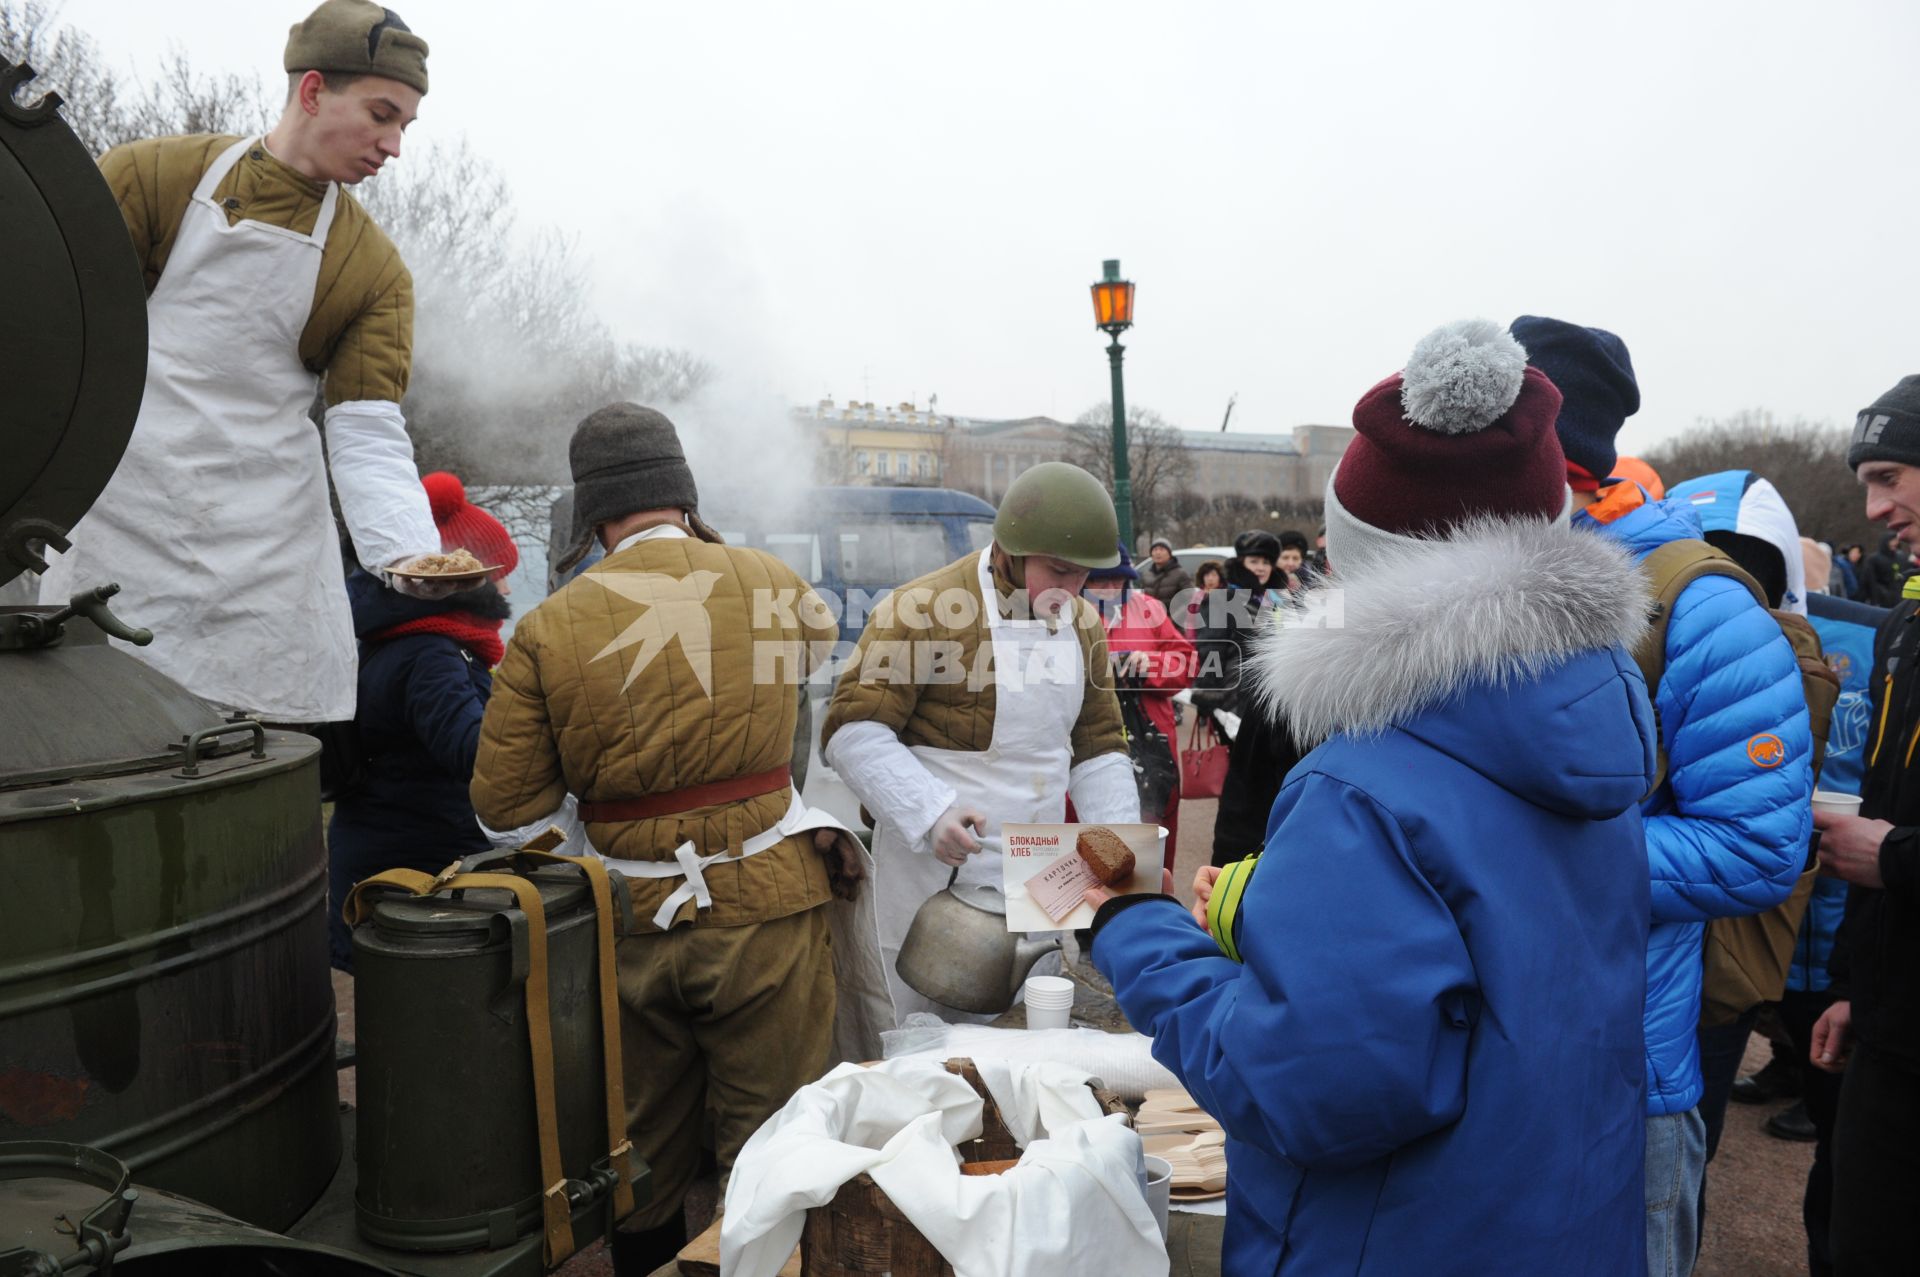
point(554, 1205)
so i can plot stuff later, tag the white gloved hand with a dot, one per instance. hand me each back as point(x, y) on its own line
point(952, 843)
point(421, 588)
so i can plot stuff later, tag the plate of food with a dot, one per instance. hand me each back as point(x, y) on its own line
point(455, 565)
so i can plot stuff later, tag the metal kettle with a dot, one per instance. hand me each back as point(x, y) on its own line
point(959, 952)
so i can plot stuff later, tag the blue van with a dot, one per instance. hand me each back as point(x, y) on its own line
point(853, 544)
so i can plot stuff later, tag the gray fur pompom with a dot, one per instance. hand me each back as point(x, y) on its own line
point(1461, 377)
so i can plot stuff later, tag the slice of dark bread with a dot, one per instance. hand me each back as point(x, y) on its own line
point(1106, 854)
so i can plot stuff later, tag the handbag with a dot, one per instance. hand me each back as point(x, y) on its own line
point(1203, 763)
point(1154, 772)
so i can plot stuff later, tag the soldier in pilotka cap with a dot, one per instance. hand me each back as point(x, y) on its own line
point(267, 283)
point(644, 687)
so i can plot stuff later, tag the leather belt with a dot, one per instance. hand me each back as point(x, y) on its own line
point(711, 794)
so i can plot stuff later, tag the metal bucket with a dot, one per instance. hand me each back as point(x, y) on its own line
point(448, 1144)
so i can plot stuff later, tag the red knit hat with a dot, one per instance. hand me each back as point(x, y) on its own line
point(1465, 430)
point(465, 526)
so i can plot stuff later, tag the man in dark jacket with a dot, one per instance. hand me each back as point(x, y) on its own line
point(1880, 573)
point(1872, 1030)
point(425, 674)
point(1162, 576)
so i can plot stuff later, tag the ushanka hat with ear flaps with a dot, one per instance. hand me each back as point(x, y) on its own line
point(357, 37)
point(1465, 431)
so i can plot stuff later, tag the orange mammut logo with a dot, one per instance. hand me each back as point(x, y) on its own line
point(1765, 750)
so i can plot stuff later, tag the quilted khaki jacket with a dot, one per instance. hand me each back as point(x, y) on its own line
point(669, 664)
point(359, 337)
point(923, 618)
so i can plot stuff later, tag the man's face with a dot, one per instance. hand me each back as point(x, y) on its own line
point(357, 129)
point(1260, 566)
point(1161, 555)
point(1052, 584)
point(1893, 497)
point(1290, 560)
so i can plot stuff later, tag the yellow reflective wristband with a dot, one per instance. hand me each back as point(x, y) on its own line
point(1223, 906)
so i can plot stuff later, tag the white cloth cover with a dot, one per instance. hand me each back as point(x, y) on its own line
point(1074, 1204)
point(381, 499)
point(1123, 1062)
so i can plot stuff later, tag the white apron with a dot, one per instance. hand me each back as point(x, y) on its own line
point(216, 523)
point(861, 1008)
point(1021, 777)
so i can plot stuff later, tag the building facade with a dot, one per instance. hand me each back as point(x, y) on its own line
point(859, 443)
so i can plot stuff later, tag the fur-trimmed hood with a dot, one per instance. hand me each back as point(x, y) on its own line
point(1503, 643)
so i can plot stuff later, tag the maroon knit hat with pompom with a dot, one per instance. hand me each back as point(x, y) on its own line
point(465, 526)
point(1466, 429)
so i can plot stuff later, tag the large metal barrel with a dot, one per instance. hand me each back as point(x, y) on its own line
point(164, 988)
point(447, 1139)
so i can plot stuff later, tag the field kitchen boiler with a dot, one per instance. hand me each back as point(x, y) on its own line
point(169, 1101)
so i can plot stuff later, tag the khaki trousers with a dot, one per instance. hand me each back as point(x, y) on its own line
point(719, 1023)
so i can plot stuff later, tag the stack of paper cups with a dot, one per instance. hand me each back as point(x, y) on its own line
point(1049, 1001)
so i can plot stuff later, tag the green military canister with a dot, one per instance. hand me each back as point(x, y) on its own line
point(1059, 510)
point(448, 1128)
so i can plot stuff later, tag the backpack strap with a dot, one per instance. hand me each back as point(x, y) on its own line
point(1669, 570)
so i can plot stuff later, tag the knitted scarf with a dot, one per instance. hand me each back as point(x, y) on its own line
point(479, 634)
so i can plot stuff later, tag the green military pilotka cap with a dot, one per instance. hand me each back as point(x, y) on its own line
point(358, 37)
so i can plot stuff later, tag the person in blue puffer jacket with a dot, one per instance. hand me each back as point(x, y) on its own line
point(425, 675)
point(1727, 830)
point(1430, 1059)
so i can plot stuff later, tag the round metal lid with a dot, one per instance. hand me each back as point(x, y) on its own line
point(469, 913)
point(73, 328)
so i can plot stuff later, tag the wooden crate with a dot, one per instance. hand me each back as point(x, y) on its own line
point(860, 1232)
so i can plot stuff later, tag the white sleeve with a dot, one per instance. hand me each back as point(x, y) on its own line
point(565, 818)
point(371, 459)
point(1103, 790)
point(888, 780)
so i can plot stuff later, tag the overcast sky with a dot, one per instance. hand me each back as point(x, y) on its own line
point(886, 200)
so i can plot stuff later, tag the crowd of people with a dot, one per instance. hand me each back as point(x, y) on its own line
point(1517, 840)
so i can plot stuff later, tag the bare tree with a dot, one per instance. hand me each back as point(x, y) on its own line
point(1805, 460)
point(68, 62)
point(1157, 459)
point(1218, 520)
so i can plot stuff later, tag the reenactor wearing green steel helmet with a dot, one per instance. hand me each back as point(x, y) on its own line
point(980, 695)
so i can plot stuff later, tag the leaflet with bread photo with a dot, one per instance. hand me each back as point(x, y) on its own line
point(1046, 870)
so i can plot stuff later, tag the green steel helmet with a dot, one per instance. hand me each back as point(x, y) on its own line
point(1061, 511)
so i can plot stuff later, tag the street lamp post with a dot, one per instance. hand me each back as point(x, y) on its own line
point(1113, 315)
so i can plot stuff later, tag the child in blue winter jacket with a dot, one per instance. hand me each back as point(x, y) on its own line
point(425, 672)
point(1428, 1055)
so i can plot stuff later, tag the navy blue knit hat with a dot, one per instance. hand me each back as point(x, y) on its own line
point(1123, 570)
point(1594, 374)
